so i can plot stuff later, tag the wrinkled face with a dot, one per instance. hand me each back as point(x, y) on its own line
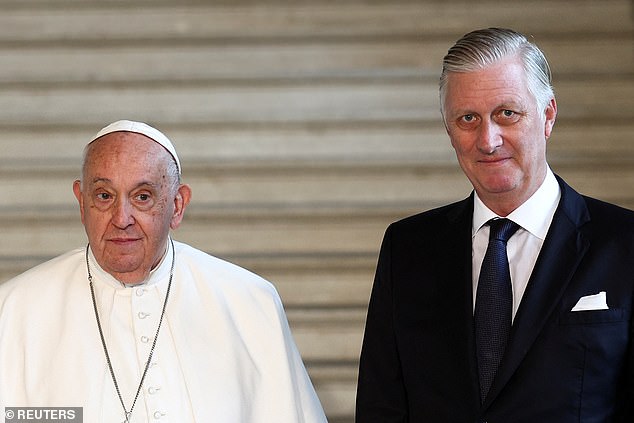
point(128, 203)
point(498, 132)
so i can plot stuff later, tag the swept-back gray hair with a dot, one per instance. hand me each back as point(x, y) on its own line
point(484, 47)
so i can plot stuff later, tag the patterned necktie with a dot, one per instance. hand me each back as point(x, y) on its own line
point(494, 303)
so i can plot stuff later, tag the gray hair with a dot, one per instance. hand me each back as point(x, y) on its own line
point(481, 48)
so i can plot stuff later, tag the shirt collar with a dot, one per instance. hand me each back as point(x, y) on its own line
point(534, 215)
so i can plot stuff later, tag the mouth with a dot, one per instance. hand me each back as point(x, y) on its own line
point(494, 161)
point(123, 241)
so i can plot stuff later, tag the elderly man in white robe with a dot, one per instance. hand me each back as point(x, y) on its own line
point(136, 327)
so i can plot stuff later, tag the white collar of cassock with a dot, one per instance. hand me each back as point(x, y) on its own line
point(159, 273)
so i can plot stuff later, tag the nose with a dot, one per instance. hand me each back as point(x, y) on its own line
point(489, 138)
point(122, 214)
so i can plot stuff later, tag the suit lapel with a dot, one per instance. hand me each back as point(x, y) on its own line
point(459, 249)
point(563, 249)
point(458, 264)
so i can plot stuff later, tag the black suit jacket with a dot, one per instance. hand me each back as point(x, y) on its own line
point(418, 360)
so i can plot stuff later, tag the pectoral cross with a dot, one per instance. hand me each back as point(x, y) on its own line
point(127, 417)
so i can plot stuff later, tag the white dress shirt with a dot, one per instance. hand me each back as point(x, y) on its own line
point(534, 218)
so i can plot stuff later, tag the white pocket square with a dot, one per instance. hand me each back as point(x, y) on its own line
point(591, 302)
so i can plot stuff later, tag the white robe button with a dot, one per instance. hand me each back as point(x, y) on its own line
point(158, 414)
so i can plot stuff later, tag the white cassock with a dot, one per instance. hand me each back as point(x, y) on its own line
point(224, 352)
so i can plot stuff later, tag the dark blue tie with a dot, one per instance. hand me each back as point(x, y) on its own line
point(494, 303)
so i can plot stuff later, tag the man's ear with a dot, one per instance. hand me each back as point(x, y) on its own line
point(181, 200)
point(79, 197)
point(551, 115)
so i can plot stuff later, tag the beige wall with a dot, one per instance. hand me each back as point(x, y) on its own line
point(304, 128)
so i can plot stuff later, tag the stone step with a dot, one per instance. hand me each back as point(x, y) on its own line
point(285, 190)
point(408, 100)
point(33, 148)
point(328, 334)
point(330, 346)
point(337, 394)
point(211, 103)
point(116, 21)
point(318, 280)
point(354, 143)
point(310, 188)
point(275, 61)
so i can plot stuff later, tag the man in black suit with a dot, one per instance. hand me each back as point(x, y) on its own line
point(543, 333)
